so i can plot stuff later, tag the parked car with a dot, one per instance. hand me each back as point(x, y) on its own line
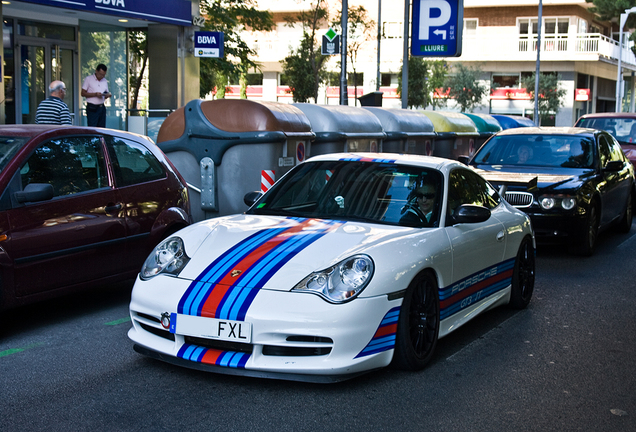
point(80, 206)
point(572, 182)
point(621, 126)
point(334, 271)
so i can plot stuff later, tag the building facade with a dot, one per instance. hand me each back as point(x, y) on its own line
point(499, 37)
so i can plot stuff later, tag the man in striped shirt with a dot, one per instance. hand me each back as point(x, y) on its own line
point(53, 110)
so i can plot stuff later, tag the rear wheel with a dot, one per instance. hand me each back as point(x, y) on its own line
point(523, 276)
point(418, 325)
point(625, 223)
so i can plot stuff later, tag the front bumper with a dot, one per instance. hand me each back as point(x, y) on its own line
point(294, 336)
point(557, 227)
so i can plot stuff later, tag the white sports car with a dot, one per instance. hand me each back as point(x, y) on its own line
point(348, 263)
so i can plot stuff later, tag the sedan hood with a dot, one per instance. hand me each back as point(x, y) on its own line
point(271, 252)
point(534, 177)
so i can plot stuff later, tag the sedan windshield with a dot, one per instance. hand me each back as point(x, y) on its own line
point(9, 146)
point(570, 151)
point(354, 190)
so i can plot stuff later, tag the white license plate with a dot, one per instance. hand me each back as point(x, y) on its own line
point(211, 328)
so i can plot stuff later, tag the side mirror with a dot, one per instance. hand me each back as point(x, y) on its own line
point(613, 166)
point(464, 159)
point(251, 197)
point(470, 213)
point(35, 192)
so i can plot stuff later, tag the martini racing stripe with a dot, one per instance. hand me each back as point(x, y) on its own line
point(367, 159)
point(384, 337)
point(216, 357)
point(474, 288)
point(228, 286)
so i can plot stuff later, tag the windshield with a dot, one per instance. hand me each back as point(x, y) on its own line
point(570, 151)
point(623, 129)
point(362, 191)
point(9, 146)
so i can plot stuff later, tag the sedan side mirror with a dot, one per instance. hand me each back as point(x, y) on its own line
point(470, 213)
point(35, 192)
point(251, 197)
point(613, 166)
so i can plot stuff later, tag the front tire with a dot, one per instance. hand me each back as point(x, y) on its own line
point(625, 223)
point(418, 324)
point(523, 276)
point(590, 235)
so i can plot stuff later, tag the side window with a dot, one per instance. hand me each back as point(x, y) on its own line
point(133, 163)
point(616, 151)
point(71, 164)
point(466, 187)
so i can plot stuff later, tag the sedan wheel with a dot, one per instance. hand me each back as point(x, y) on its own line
point(625, 223)
point(589, 237)
point(523, 276)
point(418, 325)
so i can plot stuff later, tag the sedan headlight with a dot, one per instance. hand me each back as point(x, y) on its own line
point(565, 202)
point(168, 257)
point(341, 282)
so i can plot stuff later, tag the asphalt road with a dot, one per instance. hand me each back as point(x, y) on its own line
point(567, 363)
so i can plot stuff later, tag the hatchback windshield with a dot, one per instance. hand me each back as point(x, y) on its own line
point(9, 146)
point(538, 150)
point(354, 190)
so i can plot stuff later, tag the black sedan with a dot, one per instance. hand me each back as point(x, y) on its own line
point(572, 182)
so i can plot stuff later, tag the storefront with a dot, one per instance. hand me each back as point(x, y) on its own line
point(44, 42)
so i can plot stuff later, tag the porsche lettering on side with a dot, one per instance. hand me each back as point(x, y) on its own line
point(348, 263)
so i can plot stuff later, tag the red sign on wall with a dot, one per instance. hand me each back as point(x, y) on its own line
point(582, 95)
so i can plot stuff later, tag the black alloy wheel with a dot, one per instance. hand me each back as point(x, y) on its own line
point(625, 224)
point(523, 275)
point(590, 234)
point(418, 325)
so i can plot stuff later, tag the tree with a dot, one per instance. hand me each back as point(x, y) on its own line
point(231, 17)
point(138, 60)
point(304, 67)
point(359, 31)
point(426, 77)
point(550, 96)
point(464, 87)
point(609, 9)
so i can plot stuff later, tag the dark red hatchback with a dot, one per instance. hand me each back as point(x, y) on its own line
point(80, 207)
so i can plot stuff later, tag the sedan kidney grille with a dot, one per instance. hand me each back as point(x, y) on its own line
point(519, 199)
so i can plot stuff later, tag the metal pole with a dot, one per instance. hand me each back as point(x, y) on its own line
point(537, 119)
point(405, 57)
point(377, 78)
point(344, 95)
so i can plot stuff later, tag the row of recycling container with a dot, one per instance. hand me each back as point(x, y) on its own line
point(225, 148)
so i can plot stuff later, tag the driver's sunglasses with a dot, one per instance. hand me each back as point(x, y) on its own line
point(421, 195)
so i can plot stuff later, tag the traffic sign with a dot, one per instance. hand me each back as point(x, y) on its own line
point(437, 28)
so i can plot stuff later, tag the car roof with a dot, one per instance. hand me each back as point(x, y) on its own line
point(405, 159)
point(551, 130)
point(609, 115)
point(34, 130)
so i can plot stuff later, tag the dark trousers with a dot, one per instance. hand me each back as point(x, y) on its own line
point(95, 115)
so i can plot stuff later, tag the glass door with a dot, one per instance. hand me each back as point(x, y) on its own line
point(33, 85)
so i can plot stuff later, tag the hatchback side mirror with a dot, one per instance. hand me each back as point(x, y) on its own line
point(35, 192)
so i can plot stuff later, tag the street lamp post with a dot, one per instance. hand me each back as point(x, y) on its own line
point(619, 74)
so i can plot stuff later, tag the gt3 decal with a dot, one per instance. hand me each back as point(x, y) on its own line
point(213, 356)
point(227, 287)
point(476, 287)
point(384, 337)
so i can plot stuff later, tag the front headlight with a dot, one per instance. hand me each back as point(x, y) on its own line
point(168, 257)
point(566, 202)
point(341, 282)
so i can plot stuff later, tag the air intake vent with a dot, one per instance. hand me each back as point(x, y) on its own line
point(519, 199)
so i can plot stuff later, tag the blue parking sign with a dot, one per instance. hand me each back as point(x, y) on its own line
point(437, 28)
point(208, 44)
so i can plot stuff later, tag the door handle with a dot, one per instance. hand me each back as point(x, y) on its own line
point(113, 208)
point(500, 236)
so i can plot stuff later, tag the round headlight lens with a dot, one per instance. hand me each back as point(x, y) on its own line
point(568, 203)
point(168, 257)
point(339, 283)
point(547, 203)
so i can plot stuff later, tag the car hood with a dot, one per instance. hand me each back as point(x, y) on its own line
point(271, 252)
point(531, 177)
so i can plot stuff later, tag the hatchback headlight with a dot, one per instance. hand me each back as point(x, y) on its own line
point(341, 282)
point(168, 257)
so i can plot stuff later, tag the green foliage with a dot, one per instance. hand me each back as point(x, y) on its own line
point(304, 67)
point(231, 17)
point(464, 87)
point(550, 94)
point(609, 9)
point(138, 61)
point(425, 78)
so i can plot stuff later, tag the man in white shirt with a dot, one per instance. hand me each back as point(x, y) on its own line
point(95, 90)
